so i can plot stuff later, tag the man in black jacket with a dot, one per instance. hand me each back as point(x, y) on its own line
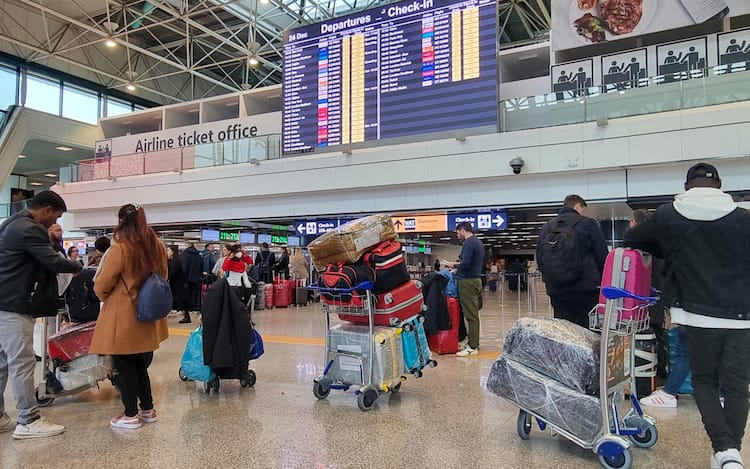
point(192, 266)
point(704, 238)
point(574, 299)
point(28, 289)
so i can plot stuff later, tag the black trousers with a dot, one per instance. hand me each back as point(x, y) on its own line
point(721, 368)
point(575, 306)
point(133, 380)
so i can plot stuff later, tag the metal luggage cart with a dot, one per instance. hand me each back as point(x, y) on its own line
point(48, 388)
point(367, 392)
point(618, 327)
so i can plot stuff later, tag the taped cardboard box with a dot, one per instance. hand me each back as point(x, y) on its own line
point(350, 241)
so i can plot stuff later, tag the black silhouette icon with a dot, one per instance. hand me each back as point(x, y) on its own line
point(571, 86)
point(625, 75)
point(736, 57)
point(683, 66)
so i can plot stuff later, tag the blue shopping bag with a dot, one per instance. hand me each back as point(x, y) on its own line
point(257, 349)
point(192, 359)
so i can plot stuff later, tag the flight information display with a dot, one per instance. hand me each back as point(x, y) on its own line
point(408, 68)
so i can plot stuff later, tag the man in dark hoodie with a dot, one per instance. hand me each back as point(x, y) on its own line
point(192, 267)
point(704, 238)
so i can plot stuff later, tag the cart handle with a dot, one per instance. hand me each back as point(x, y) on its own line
point(614, 293)
point(366, 285)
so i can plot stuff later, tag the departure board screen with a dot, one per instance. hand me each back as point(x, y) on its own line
point(408, 68)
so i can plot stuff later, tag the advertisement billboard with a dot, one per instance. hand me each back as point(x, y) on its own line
point(577, 23)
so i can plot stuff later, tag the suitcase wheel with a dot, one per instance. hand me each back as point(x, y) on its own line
point(432, 363)
point(249, 379)
point(182, 375)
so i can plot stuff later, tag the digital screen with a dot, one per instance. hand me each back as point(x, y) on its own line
point(292, 240)
point(408, 68)
point(428, 250)
point(247, 237)
point(264, 238)
point(209, 235)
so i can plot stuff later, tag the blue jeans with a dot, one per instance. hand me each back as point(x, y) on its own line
point(681, 368)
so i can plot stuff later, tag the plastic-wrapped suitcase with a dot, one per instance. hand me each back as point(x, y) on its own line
point(395, 306)
point(71, 342)
point(260, 297)
point(629, 269)
point(388, 361)
point(268, 295)
point(414, 341)
point(447, 341)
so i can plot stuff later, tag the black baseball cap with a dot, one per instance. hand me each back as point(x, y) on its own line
point(703, 170)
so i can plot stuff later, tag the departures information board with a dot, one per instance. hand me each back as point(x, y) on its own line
point(407, 68)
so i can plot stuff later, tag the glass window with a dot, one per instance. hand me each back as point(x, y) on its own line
point(43, 94)
point(80, 105)
point(8, 87)
point(115, 107)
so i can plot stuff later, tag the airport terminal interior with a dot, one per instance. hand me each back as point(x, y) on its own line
point(279, 122)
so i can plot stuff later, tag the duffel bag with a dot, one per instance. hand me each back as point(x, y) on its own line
point(343, 277)
point(387, 260)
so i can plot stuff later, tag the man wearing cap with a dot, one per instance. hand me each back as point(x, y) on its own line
point(704, 239)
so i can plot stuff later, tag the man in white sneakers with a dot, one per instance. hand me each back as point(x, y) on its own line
point(704, 239)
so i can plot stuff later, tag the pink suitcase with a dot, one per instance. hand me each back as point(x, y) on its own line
point(395, 306)
point(71, 342)
point(268, 295)
point(629, 269)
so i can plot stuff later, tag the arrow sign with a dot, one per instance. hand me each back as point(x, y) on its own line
point(498, 221)
point(398, 224)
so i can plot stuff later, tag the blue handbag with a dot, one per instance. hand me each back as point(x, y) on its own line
point(191, 364)
point(154, 299)
point(257, 349)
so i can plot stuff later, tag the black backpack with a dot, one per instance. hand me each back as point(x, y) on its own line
point(558, 255)
point(265, 262)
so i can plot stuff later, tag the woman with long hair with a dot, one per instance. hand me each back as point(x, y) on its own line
point(136, 254)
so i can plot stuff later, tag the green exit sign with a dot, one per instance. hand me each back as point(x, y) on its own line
point(229, 236)
point(278, 239)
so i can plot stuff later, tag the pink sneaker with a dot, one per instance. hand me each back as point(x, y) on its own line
point(659, 398)
point(148, 416)
point(129, 423)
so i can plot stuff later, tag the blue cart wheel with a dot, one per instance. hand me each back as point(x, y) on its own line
point(622, 461)
point(524, 424)
point(647, 438)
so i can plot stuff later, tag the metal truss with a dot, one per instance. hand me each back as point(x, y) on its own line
point(178, 50)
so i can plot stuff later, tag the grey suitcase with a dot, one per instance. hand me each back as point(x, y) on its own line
point(301, 295)
point(260, 297)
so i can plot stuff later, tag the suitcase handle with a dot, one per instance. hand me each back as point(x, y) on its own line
point(366, 285)
point(615, 293)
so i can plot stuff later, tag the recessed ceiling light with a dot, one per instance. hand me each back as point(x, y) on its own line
point(64, 148)
point(547, 215)
point(35, 183)
point(21, 156)
point(50, 175)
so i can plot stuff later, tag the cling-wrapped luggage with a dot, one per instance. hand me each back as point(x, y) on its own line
point(558, 349)
point(350, 241)
point(388, 361)
point(578, 413)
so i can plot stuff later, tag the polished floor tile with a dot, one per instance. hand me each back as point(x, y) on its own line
point(446, 419)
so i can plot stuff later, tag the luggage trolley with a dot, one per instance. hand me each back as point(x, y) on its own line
point(367, 392)
point(618, 327)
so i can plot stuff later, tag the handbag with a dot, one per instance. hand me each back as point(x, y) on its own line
point(154, 300)
point(257, 349)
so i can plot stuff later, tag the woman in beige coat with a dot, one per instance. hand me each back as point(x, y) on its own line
point(136, 254)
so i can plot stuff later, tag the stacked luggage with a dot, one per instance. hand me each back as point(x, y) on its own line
point(552, 367)
point(363, 277)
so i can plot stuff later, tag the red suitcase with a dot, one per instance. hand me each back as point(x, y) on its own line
point(268, 294)
point(282, 293)
point(629, 269)
point(71, 342)
point(394, 307)
point(447, 341)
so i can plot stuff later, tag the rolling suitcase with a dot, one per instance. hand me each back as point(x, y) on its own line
point(282, 293)
point(629, 269)
point(353, 344)
point(260, 297)
point(268, 294)
point(414, 341)
point(394, 307)
point(447, 341)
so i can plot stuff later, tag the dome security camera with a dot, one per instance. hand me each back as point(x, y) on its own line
point(517, 163)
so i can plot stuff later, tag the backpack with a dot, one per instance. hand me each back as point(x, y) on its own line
point(558, 254)
point(265, 262)
point(154, 300)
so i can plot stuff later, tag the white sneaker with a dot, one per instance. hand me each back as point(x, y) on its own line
point(6, 424)
point(468, 351)
point(714, 462)
point(729, 459)
point(659, 398)
point(129, 423)
point(39, 428)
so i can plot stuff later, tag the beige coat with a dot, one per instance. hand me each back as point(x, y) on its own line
point(117, 331)
point(299, 266)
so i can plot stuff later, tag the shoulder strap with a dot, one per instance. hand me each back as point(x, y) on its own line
point(128, 290)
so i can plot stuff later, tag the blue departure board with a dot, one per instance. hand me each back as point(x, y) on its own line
point(408, 68)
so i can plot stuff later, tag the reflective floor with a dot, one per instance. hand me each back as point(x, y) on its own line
point(446, 419)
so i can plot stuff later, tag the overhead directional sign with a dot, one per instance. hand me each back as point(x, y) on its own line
point(316, 227)
point(495, 220)
point(419, 223)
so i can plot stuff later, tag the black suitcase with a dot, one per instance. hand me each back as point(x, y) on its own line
point(301, 295)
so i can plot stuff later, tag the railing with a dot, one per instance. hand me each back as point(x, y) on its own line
point(670, 92)
point(248, 150)
point(9, 209)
